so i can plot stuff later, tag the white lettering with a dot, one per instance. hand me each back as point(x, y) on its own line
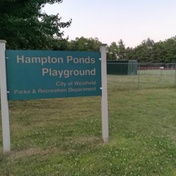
point(81, 60)
point(39, 60)
point(67, 73)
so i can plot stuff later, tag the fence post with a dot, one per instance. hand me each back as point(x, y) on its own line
point(175, 73)
point(138, 74)
point(4, 101)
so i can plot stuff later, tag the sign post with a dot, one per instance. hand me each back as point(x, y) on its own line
point(4, 101)
point(104, 100)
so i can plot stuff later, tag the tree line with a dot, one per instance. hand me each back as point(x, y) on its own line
point(148, 51)
point(24, 25)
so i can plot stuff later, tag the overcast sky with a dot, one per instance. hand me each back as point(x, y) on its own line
point(111, 20)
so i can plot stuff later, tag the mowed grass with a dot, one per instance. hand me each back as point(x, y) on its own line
point(63, 136)
point(145, 79)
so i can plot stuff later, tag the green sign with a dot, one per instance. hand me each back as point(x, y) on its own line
point(52, 74)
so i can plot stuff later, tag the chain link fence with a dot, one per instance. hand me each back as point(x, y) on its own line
point(146, 75)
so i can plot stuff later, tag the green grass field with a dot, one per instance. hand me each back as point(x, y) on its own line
point(145, 79)
point(62, 137)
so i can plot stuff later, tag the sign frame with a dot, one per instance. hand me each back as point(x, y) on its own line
point(4, 97)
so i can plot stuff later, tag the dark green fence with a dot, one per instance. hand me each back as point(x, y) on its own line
point(122, 67)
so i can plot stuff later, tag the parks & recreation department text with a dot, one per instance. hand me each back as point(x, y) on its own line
point(46, 91)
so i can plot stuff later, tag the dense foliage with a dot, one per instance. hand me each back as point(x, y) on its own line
point(24, 25)
point(147, 51)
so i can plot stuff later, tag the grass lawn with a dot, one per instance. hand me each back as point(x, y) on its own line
point(63, 136)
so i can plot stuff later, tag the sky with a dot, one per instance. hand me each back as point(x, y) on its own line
point(111, 20)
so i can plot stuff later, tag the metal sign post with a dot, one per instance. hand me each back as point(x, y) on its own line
point(4, 101)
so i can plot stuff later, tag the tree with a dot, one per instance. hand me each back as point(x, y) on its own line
point(113, 51)
point(129, 53)
point(144, 52)
point(25, 26)
point(84, 44)
point(121, 50)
